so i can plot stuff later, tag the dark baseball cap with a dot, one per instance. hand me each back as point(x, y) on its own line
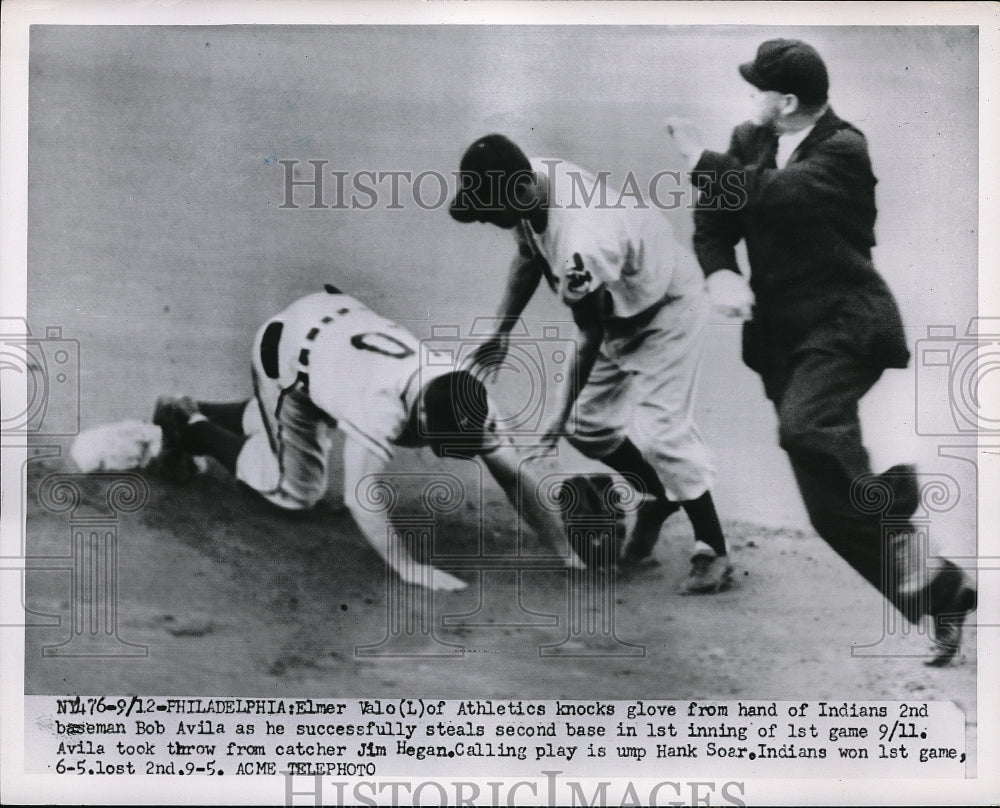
point(483, 172)
point(789, 66)
point(456, 409)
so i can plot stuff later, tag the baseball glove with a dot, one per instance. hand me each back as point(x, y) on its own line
point(595, 522)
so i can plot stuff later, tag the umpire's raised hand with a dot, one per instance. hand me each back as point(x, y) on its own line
point(730, 294)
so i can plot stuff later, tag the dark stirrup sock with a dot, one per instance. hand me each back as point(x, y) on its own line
point(705, 521)
point(628, 460)
point(205, 438)
point(227, 414)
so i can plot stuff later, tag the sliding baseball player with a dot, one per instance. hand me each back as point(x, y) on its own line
point(328, 362)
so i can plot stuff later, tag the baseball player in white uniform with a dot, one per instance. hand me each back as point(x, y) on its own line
point(640, 305)
point(329, 362)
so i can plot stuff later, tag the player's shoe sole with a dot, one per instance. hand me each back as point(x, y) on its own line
point(710, 573)
point(949, 618)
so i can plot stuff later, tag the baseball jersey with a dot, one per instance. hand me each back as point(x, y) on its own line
point(630, 251)
point(360, 368)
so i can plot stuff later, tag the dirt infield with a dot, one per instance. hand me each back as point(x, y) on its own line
point(233, 598)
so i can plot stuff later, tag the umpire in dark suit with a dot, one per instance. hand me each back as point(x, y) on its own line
point(796, 185)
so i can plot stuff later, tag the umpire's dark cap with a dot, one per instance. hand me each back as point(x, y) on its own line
point(789, 66)
point(485, 166)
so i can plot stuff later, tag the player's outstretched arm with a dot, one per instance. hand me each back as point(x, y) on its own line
point(522, 281)
point(510, 467)
point(360, 464)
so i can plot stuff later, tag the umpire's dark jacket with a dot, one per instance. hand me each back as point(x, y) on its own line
point(809, 232)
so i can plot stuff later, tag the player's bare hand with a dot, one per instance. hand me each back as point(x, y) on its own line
point(446, 582)
point(574, 562)
point(426, 575)
point(730, 294)
point(490, 356)
point(686, 137)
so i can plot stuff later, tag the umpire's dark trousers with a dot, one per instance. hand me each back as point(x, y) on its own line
point(816, 391)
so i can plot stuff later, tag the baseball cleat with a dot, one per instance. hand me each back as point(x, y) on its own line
point(948, 621)
point(709, 573)
point(172, 415)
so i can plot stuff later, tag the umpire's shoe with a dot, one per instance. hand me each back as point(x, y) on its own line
point(171, 415)
point(901, 480)
point(953, 596)
point(709, 573)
